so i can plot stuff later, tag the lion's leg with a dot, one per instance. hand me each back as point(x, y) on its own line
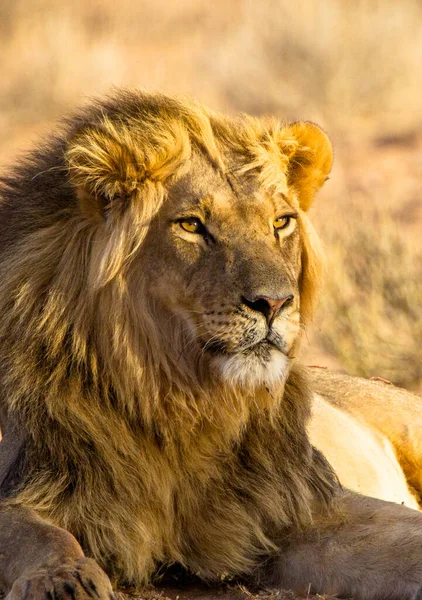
point(39, 560)
point(368, 550)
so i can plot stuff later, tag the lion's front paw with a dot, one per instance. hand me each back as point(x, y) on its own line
point(80, 580)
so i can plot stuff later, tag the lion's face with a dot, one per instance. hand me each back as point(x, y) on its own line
point(208, 215)
point(224, 255)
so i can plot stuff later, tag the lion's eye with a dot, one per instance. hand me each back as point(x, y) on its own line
point(192, 225)
point(281, 222)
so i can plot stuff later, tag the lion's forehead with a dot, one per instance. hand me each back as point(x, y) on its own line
point(225, 198)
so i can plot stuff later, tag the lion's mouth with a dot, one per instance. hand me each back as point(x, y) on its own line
point(261, 348)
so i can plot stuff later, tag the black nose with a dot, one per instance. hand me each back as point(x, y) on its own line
point(269, 307)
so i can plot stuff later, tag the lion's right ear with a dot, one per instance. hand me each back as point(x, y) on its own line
point(109, 162)
point(310, 162)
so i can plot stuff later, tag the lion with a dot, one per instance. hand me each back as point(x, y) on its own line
point(158, 267)
point(369, 432)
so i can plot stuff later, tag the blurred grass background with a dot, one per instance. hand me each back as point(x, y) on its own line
point(353, 66)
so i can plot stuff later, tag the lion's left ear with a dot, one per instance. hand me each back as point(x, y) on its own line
point(109, 162)
point(310, 163)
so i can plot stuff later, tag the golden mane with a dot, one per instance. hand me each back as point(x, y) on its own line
point(70, 326)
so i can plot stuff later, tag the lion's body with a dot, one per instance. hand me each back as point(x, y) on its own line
point(364, 429)
point(165, 468)
point(157, 267)
point(363, 458)
point(348, 430)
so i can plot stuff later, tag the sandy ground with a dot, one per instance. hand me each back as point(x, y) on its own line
point(203, 592)
point(195, 591)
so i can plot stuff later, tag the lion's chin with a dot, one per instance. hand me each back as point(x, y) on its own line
point(251, 370)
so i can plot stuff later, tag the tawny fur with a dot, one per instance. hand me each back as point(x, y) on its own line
point(131, 445)
point(370, 433)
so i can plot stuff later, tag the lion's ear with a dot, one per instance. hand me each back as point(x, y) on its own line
point(108, 162)
point(311, 161)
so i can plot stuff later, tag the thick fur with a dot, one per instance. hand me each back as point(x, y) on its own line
point(130, 444)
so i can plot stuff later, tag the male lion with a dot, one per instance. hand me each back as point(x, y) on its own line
point(157, 268)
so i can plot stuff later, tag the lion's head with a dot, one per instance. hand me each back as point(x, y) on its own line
point(207, 217)
point(160, 242)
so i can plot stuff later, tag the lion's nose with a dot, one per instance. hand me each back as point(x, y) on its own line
point(269, 307)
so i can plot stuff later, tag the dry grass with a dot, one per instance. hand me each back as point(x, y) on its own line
point(370, 217)
point(348, 63)
point(371, 316)
point(353, 66)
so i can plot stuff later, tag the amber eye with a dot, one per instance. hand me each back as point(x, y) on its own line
point(192, 225)
point(281, 222)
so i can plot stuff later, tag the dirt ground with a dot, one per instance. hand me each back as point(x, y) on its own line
point(203, 592)
point(198, 591)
